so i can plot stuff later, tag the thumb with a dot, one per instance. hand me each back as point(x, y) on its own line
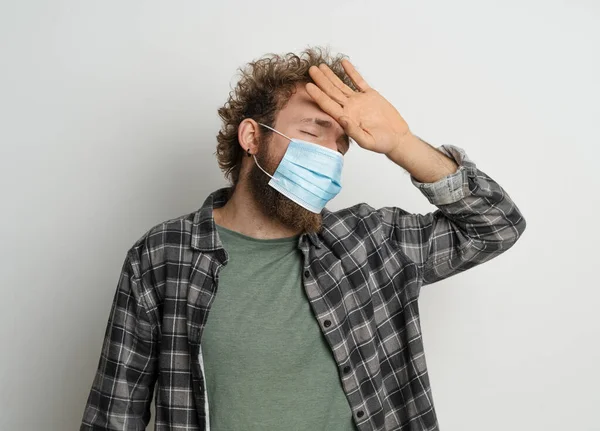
point(354, 131)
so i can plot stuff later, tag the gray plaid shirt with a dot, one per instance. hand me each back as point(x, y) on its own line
point(362, 275)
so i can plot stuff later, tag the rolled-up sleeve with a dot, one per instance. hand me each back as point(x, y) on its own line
point(123, 386)
point(453, 187)
point(476, 220)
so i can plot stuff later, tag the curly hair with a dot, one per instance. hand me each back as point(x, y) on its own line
point(264, 88)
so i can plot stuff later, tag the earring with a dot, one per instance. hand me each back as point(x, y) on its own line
point(248, 152)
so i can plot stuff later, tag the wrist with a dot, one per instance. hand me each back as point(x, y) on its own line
point(405, 144)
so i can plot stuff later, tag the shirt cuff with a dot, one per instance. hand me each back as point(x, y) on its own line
point(453, 187)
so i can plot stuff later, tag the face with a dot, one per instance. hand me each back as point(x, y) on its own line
point(302, 119)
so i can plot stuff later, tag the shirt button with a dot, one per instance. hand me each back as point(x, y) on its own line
point(346, 369)
point(327, 323)
point(307, 274)
point(360, 414)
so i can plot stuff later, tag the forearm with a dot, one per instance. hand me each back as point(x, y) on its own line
point(476, 220)
point(424, 162)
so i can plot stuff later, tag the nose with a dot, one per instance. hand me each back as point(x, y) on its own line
point(332, 146)
point(326, 142)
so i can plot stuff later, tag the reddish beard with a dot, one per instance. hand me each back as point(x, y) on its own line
point(274, 204)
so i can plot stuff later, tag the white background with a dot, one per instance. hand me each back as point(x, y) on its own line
point(108, 116)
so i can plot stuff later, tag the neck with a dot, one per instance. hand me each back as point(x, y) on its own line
point(242, 214)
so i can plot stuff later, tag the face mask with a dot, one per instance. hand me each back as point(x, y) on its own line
point(309, 174)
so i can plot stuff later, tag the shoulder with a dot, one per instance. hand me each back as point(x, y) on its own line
point(361, 219)
point(162, 242)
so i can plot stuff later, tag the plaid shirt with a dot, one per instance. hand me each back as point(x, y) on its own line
point(362, 274)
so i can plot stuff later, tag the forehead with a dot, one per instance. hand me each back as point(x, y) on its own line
point(301, 106)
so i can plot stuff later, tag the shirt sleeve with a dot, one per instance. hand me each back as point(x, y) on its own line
point(123, 386)
point(476, 220)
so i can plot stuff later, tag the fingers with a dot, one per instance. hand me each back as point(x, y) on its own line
point(326, 85)
point(358, 80)
point(335, 80)
point(327, 104)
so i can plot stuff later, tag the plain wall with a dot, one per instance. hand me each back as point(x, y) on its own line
point(108, 116)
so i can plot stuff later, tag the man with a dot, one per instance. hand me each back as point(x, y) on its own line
point(263, 310)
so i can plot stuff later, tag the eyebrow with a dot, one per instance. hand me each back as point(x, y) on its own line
point(327, 125)
point(323, 123)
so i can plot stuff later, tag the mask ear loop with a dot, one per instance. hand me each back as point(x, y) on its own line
point(260, 167)
point(253, 155)
point(279, 133)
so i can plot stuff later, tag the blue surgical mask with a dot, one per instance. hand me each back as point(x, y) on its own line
point(309, 174)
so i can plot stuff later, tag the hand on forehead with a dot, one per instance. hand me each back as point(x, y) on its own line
point(302, 115)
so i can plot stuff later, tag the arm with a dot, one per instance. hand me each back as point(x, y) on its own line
point(123, 386)
point(476, 220)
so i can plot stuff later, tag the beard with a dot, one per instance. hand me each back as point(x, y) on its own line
point(274, 204)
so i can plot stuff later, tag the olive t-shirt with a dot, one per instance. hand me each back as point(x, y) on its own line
point(267, 364)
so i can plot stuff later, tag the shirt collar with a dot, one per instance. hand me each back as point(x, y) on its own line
point(204, 229)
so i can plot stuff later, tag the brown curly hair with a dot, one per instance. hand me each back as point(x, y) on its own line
point(264, 88)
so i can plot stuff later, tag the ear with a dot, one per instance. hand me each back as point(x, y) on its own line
point(248, 135)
